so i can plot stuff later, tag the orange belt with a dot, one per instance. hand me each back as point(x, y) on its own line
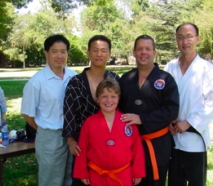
point(148, 138)
point(111, 173)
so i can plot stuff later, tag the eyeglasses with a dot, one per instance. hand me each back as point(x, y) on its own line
point(187, 38)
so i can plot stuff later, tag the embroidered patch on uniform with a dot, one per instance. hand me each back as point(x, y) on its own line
point(138, 102)
point(128, 130)
point(110, 142)
point(159, 84)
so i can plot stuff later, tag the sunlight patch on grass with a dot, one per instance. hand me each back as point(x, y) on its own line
point(15, 120)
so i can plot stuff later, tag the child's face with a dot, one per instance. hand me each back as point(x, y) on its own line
point(108, 100)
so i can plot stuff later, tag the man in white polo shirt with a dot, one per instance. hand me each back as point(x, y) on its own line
point(42, 107)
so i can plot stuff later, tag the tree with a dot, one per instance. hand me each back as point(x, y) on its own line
point(103, 17)
point(205, 48)
point(139, 5)
point(160, 20)
point(6, 23)
point(29, 33)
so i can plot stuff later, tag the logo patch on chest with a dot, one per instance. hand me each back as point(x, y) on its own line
point(110, 142)
point(128, 130)
point(159, 84)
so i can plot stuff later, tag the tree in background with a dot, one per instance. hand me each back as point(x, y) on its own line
point(29, 33)
point(7, 18)
point(104, 17)
point(22, 36)
point(203, 17)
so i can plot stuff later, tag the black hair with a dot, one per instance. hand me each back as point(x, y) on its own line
point(55, 38)
point(101, 38)
point(188, 23)
point(144, 37)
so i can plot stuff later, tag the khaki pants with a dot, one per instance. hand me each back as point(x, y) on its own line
point(52, 155)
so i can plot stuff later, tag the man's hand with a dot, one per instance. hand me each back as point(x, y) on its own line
point(182, 126)
point(31, 121)
point(171, 127)
point(73, 146)
point(136, 181)
point(85, 181)
point(131, 119)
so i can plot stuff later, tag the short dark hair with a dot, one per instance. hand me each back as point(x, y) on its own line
point(188, 23)
point(144, 37)
point(55, 38)
point(108, 83)
point(101, 38)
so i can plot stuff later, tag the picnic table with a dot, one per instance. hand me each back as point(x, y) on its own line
point(12, 150)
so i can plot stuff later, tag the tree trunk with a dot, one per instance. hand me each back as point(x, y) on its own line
point(2, 60)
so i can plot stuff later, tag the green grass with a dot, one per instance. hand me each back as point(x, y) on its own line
point(12, 89)
point(22, 170)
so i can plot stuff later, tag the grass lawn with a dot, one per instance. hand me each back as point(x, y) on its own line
point(22, 170)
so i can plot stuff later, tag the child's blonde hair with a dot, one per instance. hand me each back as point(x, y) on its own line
point(108, 83)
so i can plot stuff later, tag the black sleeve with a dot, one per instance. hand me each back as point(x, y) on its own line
point(72, 104)
point(166, 112)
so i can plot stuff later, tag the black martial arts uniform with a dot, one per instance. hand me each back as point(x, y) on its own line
point(157, 104)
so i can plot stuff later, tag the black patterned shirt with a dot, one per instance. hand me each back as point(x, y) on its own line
point(79, 103)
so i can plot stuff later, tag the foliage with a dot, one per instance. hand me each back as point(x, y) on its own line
point(161, 18)
point(18, 3)
point(22, 36)
point(206, 27)
point(7, 17)
point(76, 55)
point(138, 6)
point(62, 6)
point(29, 33)
point(103, 17)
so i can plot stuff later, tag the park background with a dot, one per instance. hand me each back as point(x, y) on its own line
point(23, 31)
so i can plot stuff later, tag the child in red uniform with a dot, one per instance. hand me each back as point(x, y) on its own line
point(111, 152)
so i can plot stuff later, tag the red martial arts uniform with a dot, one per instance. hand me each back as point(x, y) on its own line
point(109, 151)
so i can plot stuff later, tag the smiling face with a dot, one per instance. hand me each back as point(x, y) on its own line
point(187, 39)
point(108, 100)
point(99, 53)
point(57, 55)
point(144, 52)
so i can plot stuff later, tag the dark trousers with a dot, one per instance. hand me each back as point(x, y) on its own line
point(188, 167)
point(149, 181)
point(77, 182)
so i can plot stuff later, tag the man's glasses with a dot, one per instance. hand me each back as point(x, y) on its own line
point(188, 37)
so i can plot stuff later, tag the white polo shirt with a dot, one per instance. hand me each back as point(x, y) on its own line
point(43, 98)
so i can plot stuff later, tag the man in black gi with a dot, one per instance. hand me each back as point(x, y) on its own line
point(150, 99)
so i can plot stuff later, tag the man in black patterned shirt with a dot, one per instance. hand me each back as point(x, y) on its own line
point(79, 102)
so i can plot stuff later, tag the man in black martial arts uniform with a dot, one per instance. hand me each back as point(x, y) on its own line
point(150, 99)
